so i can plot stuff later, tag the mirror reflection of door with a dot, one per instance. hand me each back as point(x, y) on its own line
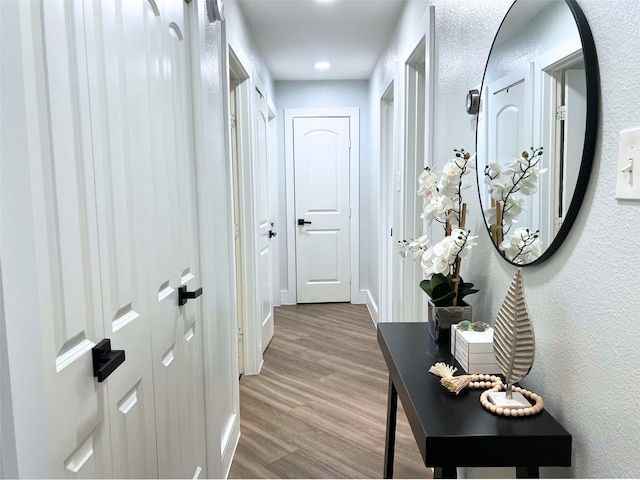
point(563, 111)
point(571, 117)
point(508, 113)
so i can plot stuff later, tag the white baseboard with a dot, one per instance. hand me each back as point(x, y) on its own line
point(372, 306)
point(230, 444)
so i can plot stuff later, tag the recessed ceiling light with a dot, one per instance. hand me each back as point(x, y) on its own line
point(324, 1)
point(322, 65)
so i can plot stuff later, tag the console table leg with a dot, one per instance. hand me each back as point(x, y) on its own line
point(390, 439)
point(445, 472)
point(527, 472)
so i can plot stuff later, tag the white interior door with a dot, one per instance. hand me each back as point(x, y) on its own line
point(265, 226)
point(65, 230)
point(177, 330)
point(117, 61)
point(321, 148)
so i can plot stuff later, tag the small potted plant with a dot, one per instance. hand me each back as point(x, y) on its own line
point(442, 203)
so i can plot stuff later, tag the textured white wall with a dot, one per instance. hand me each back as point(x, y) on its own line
point(585, 300)
point(324, 94)
point(216, 224)
point(239, 35)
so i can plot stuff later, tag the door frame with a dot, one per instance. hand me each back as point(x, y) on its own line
point(238, 71)
point(402, 308)
point(353, 113)
point(414, 146)
point(272, 162)
point(388, 147)
point(245, 109)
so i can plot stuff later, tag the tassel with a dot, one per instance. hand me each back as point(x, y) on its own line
point(456, 384)
point(443, 370)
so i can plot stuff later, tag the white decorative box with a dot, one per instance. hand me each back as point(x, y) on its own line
point(474, 350)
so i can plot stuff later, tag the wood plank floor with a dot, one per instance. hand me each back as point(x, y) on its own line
point(318, 408)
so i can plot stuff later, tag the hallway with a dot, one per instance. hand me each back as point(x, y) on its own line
point(318, 407)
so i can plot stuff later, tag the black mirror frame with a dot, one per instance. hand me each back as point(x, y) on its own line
point(591, 127)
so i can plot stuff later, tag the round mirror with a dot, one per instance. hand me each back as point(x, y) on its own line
point(536, 127)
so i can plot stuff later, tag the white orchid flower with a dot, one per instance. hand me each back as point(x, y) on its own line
point(427, 183)
point(522, 246)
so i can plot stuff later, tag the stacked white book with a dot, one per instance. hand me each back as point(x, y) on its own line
point(474, 350)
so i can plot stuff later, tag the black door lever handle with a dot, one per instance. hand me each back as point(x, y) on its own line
point(302, 221)
point(184, 295)
point(105, 360)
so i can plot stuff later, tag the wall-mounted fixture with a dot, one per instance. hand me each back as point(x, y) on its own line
point(215, 10)
point(473, 101)
point(628, 180)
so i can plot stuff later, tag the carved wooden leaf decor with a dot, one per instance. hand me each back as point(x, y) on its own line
point(513, 340)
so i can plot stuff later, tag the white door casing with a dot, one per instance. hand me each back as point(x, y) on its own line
point(321, 159)
point(263, 211)
point(414, 156)
point(273, 163)
point(388, 243)
point(233, 150)
point(247, 221)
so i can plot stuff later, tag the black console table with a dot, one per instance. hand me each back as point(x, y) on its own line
point(456, 431)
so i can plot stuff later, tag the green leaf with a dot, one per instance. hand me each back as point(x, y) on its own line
point(442, 294)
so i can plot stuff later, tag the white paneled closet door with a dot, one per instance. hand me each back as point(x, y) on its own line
point(177, 330)
point(112, 175)
point(68, 288)
point(118, 63)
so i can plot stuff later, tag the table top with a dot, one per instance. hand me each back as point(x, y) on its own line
point(455, 430)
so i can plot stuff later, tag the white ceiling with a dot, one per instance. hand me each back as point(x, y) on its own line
point(293, 35)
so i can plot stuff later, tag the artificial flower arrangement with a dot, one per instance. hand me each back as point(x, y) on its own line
point(518, 177)
point(442, 202)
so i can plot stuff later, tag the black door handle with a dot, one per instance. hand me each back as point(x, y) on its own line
point(184, 295)
point(302, 221)
point(272, 234)
point(105, 360)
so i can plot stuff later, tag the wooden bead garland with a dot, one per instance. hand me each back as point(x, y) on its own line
point(513, 412)
point(493, 383)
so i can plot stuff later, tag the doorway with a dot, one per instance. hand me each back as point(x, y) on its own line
point(390, 266)
point(322, 153)
point(409, 305)
point(238, 107)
